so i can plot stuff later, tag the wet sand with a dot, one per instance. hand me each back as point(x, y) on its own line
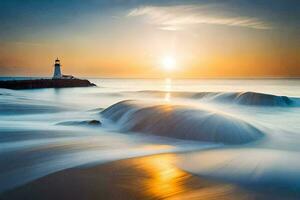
point(151, 177)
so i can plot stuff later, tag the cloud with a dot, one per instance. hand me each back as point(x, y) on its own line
point(179, 16)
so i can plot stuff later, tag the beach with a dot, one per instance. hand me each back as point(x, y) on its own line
point(152, 177)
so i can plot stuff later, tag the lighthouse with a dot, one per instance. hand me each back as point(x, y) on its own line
point(57, 72)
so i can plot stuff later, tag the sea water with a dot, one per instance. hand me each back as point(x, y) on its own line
point(245, 131)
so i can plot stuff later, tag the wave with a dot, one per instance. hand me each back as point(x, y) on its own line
point(181, 122)
point(241, 98)
point(251, 98)
point(15, 102)
point(258, 167)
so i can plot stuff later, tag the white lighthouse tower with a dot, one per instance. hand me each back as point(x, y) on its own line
point(57, 72)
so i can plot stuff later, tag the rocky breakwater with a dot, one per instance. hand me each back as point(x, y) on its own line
point(45, 83)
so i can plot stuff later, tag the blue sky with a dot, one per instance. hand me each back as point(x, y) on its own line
point(20, 17)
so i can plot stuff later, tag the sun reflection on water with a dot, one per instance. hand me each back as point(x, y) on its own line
point(168, 88)
point(165, 179)
point(167, 97)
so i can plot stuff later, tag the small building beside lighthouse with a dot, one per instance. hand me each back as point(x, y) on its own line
point(57, 71)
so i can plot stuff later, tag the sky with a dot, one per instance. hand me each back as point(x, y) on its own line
point(151, 39)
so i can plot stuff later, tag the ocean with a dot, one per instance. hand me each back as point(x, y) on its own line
point(244, 131)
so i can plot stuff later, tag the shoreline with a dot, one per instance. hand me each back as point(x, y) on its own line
point(150, 177)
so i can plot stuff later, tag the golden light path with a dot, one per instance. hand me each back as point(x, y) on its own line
point(164, 177)
point(163, 180)
point(168, 88)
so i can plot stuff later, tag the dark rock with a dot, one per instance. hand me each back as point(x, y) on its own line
point(94, 122)
point(79, 123)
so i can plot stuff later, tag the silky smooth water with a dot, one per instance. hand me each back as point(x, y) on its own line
point(244, 131)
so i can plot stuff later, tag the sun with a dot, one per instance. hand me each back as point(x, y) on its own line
point(168, 63)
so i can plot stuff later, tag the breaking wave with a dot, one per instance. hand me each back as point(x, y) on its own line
point(242, 98)
point(181, 122)
point(251, 98)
